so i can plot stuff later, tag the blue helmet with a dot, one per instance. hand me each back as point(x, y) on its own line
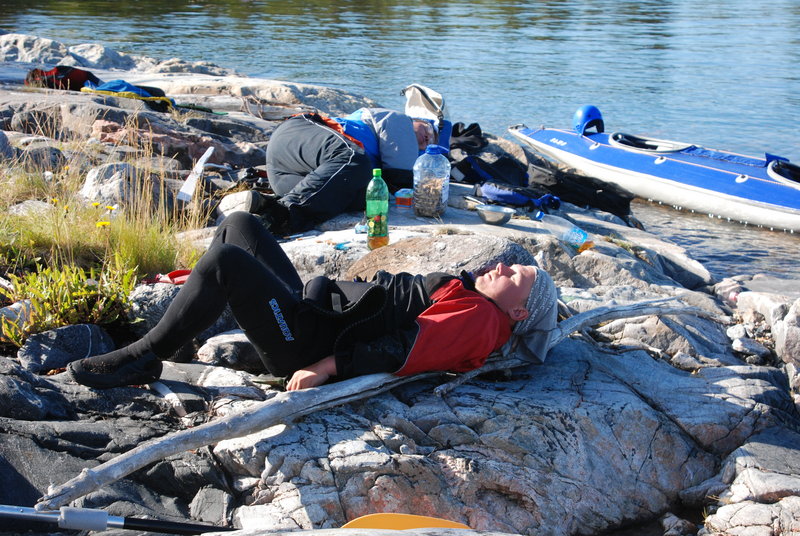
point(587, 117)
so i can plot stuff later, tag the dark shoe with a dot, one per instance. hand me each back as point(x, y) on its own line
point(116, 369)
point(275, 216)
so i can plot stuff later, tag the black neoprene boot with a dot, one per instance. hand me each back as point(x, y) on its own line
point(116, 369)
point(274, 215)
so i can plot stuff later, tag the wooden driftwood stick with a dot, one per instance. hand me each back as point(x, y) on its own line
point(288, 406)
point(282, 408)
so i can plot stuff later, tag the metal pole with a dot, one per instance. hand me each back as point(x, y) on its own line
point(98, 520)
point(29, 514)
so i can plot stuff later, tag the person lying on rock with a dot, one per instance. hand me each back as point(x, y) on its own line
point(320, 167)
point(325, 329)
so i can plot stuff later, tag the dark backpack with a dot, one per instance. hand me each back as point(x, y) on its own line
point(475, 164)
point(61, 77)
point(578, 189)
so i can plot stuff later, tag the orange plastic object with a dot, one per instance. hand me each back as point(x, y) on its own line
point(401, 522)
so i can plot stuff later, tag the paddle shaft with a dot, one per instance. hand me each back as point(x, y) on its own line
point(172, 527)
point(92, 519)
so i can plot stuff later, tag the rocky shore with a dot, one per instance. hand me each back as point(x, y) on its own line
point(670, 424)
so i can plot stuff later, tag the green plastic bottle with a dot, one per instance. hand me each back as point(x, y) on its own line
point(377, 211)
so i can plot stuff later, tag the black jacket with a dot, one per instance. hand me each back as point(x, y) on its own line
point(369, 326)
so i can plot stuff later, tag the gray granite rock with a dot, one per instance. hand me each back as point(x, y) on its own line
point(54, 349)
point(191, 477)
point(148, 303)
point(41, 120)
point(7, 151)
point(31, 49)
point(30, 207)
point(675, 526)
point(684, 361)
point(449, 253)
point(26, 469)
point(16, 47)
point(109, 184)
point(748, 346)
point(737, 331)
point(95, 56)
point(764, 492)
point(754, 519)
point(787, 335)
point(18, 399)
point(771, 307)
point(459, 440)
point(231, 349)
point(42, 158)
point(212, 505)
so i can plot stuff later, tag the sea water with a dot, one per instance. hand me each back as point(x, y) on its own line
point(722, 74)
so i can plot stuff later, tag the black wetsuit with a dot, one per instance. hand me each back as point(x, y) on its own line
point(292, 325)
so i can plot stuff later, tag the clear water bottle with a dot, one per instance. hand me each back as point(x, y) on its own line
point(431, 182)
point(568, 232)
point(377, 211)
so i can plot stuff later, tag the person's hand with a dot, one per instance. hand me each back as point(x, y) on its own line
point(313, 375)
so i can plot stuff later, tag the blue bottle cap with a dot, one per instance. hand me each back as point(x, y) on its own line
point(436, 149)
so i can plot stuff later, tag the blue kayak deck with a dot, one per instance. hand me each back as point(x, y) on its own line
point(694, 166)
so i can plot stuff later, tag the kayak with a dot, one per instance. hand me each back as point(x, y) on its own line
point(393, 521)
point(756, 191)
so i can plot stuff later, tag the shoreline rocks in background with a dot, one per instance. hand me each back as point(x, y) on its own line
point(22, 48)
point(622, 424)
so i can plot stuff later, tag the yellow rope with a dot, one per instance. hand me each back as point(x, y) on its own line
point(127, 95)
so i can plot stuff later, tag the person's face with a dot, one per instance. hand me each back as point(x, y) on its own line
point(424, 132)
point(509, 287)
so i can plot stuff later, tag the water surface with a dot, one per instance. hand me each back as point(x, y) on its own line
point(719, 73)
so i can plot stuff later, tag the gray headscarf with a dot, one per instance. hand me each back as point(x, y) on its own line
point(531, 336)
